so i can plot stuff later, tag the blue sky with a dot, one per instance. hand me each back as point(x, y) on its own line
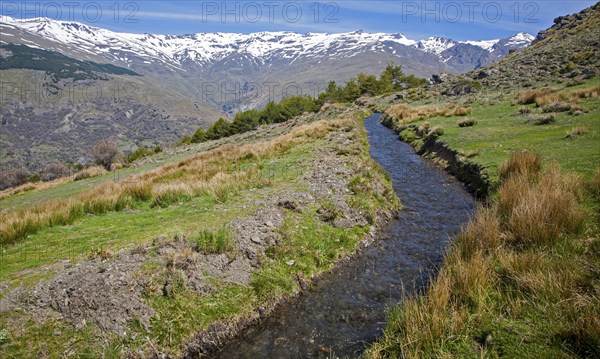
point(460, 20)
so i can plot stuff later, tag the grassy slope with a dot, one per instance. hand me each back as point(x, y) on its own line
point(32, 197)
point(312, 244)
point(498, 293)
point(500, 130)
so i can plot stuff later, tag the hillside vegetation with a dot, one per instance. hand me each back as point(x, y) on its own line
point(139, 267)
point(57, 66)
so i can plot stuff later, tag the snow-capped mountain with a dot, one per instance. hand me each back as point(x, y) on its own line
point(207, 48)
point(201, 48)
point(437, 45)
point(244, 62)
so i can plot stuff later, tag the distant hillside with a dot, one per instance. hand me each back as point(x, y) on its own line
point(54, 108)
point(57, 65)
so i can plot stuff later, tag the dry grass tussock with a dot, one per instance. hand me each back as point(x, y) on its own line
point(594, 184)
point(522, 163)
point(546, 97)
point(577, 131)
point(89, 172)
point(404, 115)
point(213, 172)
point(501, 265)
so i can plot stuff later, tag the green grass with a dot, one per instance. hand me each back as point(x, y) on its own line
point(24, 262)
point(211, 242)
point(308, 247)
point(501, 130)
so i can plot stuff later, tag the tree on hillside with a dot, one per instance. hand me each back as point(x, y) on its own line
point(274, 113)
point(245, 121)
point(393, 78)
point(104, 153)
point(297, 105)
point(368, 84)
point(217, 130)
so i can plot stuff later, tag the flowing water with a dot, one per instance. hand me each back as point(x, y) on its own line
point(345, 311)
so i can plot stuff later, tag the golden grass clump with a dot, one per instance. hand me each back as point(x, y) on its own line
point(544, 211)
point(89, 172)
point(466, 122)
point(521, 163)
point(550, 98)
point(165, 194)
point(457, 111)
point(586, 93)
point(405, 115)
point(594, 184)
point(528, 97)
point(482, 233)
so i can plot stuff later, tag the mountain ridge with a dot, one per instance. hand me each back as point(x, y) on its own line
point(177, 48)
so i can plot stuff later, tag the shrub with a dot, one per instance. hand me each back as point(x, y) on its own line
point(4, 336)
point(209, 242)
point(467, 122)
point(104, 153)
point(20, 176)
point(13, 178)
point(54, 171)
point(142, 152)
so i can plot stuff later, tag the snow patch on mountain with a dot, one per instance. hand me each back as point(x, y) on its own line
point(484, 44)
point(520, 39)
point(436, 45)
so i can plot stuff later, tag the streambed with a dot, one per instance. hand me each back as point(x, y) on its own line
point(345, 311)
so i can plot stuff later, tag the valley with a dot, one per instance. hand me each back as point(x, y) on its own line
point(447, 207)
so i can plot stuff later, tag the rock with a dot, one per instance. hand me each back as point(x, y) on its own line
point(481, 75)
point(256, 239)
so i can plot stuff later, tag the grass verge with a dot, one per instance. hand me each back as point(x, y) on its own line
point(521, 280)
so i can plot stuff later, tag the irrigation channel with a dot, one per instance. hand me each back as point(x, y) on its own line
point(346, 310)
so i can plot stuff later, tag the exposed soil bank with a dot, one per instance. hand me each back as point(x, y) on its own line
point(469, 173)
point(345, 311)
